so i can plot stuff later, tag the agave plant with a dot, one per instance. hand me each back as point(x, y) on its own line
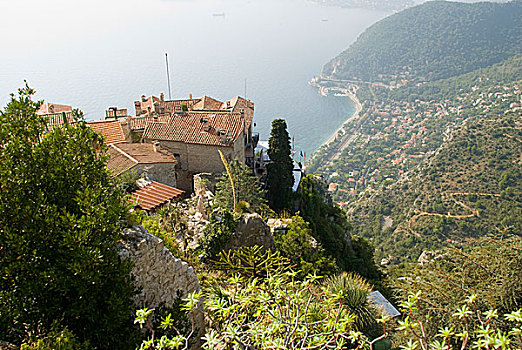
point(354, 291)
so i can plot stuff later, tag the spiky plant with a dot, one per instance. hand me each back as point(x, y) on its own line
point(354, 291)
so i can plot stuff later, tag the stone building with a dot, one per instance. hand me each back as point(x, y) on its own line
point(144, 159)
point(195, 139)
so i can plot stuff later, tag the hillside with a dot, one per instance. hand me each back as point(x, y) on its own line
point(432, 41)
point(470, 187)
point(434, 164)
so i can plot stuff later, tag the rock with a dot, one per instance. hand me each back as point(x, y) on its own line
point(157, 273)
point(252, 230)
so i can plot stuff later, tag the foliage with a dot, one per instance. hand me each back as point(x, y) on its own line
point(435, 40)
point(305, 254)
point(331, 229)
point(280, 177)
point(246, 188)
point(491, 268)
point(279, 312)
point(173, 322)
point(218, 231)
point(171, 335)
point(250, 261)
point(59, 227)
point(470, 327)
point(354, 291)
point(127, 181)
point(56, 339)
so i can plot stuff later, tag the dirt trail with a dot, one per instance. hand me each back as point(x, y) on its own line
point(408, 227)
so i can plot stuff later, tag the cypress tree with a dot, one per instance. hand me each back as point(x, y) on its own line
point(279, 170)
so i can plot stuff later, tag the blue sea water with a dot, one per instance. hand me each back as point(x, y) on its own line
point(95, 54)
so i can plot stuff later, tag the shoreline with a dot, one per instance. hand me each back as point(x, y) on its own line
point(355, 115)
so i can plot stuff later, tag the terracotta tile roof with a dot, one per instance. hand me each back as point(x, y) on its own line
point(124, 156)
point(218, 128)
point(155, 195)
point(52, 108)
point(207, 103)
point(176, 105)
point(119, 162)
point(110, 130)
point(139, 123)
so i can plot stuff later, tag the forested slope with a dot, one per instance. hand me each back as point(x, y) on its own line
point(432, 41)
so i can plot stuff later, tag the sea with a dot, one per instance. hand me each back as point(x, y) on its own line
point(100, 53)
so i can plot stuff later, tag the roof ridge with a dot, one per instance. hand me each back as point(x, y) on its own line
point(124, 153)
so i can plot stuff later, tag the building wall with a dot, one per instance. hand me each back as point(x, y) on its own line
point(164, 173)
point(195, 158)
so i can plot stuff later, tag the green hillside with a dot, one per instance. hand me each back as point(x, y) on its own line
point(470, 187)
point(434, 165)
point(432, 41)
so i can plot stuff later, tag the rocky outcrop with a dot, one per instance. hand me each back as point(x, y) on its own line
point(252, 230)
point(157, 273)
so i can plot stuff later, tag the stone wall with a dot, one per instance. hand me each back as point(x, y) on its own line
point(164, 173)
point(196, 158)
point(157, 273)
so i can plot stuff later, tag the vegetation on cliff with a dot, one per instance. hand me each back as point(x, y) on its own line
point(435, 40)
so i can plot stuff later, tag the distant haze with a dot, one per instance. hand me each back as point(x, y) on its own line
point(95, 54)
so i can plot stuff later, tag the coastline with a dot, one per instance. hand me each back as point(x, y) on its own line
point(358, 109)
point(338, 88)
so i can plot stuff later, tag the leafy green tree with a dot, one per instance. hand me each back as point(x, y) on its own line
point(247, 188)
point(280, 168)
point(303, 251)
point(218, 232)
point(60, 218)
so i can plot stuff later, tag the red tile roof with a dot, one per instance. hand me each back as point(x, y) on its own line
point(124, 156)
point(211, 128)
point(110, 130)
point(52, 108)
point(139, 123)
point(207, 103)
point(155, 195)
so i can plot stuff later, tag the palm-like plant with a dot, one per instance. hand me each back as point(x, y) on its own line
point(354, 291)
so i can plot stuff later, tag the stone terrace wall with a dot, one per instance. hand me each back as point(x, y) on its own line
point(156, 271)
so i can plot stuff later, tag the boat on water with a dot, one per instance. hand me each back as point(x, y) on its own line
point(220, 14)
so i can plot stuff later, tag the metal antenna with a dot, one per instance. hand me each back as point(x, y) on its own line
point(168, 74)
point(245, 88)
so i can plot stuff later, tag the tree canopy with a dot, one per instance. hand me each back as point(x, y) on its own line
point(279, 170)
point(60, 220)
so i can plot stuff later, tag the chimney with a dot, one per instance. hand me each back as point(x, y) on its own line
point(143, 98)
point(155, 146)
point(190, 96)
point(162, 97)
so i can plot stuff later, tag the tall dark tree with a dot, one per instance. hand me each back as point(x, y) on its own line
point(59, 228)
point(280, 178)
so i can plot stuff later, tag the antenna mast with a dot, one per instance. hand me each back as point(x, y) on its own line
point(168, 74)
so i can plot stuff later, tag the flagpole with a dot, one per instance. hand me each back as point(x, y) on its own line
point(168, 74)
